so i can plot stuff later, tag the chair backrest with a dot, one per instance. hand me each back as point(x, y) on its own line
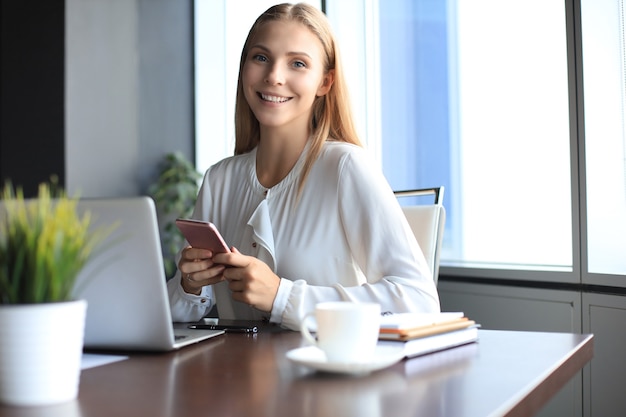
point(427, 222)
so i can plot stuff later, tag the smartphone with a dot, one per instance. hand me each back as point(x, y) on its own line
point(203, 235)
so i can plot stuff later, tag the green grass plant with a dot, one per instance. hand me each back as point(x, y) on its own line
point(44, 244)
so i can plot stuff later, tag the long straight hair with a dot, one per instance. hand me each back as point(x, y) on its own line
point(331, 118)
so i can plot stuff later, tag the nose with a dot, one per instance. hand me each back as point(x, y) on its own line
point(275, 75)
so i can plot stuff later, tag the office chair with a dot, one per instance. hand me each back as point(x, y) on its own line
point(427, 222)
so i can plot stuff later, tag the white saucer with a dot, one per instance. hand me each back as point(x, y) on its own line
point(313, 357)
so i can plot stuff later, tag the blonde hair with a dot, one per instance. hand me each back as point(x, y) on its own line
point(331, 118)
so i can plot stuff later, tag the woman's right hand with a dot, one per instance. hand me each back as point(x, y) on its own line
point(198, 270)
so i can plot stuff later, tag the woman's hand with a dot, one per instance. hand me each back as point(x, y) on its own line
point(250, 279)
point(198, 270)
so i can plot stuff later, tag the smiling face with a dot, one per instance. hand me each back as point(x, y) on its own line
point(282, 75)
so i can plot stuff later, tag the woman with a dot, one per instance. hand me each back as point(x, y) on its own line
point(310, 218)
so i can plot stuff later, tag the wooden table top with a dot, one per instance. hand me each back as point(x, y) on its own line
point(505, 373)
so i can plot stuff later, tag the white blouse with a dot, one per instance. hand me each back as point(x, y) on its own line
point(344, 238)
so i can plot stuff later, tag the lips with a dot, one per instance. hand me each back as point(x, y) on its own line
point(273, 99)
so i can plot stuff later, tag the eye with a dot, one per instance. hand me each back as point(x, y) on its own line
point(299, 64)
point(259, 57)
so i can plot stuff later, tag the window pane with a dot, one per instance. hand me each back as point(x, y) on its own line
point(475, 101)
point(604, 76)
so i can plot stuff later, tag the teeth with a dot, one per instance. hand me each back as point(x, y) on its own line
point(274, 99)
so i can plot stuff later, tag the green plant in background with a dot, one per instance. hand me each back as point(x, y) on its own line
point(44, 244)
point(174, 194)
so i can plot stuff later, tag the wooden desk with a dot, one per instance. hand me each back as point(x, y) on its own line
point(505, 373)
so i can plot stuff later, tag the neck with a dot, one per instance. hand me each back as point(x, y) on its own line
point(276, 156)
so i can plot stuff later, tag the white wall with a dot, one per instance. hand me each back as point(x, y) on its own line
point(129, 92)
point(101, 97)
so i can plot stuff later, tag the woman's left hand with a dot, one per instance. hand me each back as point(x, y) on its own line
point(250, 279)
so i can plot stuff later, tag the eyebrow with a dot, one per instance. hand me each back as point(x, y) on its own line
point(288, 53)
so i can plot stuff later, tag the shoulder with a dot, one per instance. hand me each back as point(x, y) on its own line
point(341, 148)
point(347, 158)
point(354, 167)
point(346, 166)
point(228, 173)
point(231, 165)
point(339, 153)
point(222, 180)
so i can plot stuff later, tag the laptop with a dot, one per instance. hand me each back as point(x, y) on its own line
point(124, 282)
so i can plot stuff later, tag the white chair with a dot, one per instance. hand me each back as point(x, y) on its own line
point(427, 222)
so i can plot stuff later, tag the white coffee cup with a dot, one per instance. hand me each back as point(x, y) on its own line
point(347, 331)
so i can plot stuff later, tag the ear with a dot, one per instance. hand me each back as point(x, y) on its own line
point(327, 82)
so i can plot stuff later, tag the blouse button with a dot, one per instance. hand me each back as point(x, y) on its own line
point(254, 244)
point(203, 300)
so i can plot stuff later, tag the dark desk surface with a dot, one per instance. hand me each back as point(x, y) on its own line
point(505, 373)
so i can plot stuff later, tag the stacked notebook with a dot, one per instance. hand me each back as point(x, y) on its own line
point(425, 333)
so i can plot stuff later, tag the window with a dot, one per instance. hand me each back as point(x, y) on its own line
point(604, 69)
point(482, 97)
point(475, 101)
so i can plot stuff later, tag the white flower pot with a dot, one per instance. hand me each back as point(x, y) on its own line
point(40, 352)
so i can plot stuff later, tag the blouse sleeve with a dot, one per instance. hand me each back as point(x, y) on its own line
point(382, 244)
point(187, 307)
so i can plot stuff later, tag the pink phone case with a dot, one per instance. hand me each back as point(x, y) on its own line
point(202, 235)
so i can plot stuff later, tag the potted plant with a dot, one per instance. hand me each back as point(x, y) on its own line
point(174, 193)
point(44, 244)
